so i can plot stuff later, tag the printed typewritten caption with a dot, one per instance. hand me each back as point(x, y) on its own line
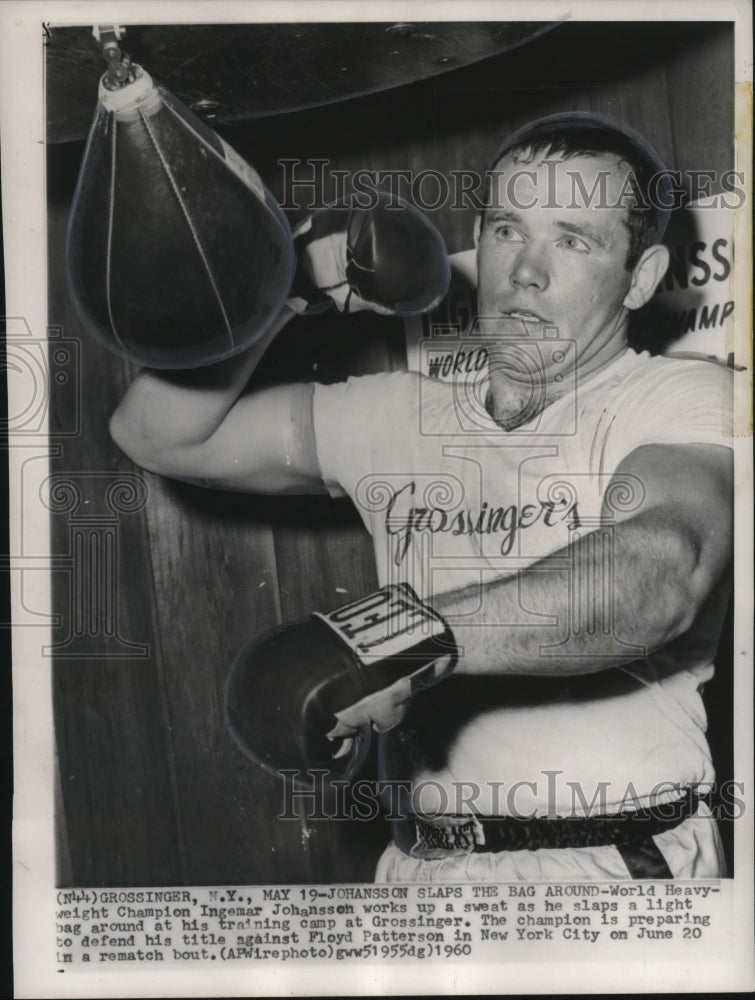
point(108, 927)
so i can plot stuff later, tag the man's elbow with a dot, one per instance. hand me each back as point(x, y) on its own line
point(696, 569)
point(137, 442)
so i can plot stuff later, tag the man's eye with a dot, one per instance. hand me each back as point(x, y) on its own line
point(508, 233)
point(574, 243)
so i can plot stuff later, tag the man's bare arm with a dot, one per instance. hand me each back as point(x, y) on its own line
point(667, 559)
point(199, 426)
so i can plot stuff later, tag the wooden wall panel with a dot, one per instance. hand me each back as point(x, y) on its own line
point(214, 573)
point(701, 102)
point(116, 766)
point(153, 790)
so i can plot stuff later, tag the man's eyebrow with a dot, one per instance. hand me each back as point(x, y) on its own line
point(579, 230)
point(504, 215)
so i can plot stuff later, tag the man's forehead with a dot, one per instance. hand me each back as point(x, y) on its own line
point(597, 185)
point(530, 158)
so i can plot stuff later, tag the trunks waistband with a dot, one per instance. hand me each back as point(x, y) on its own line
point(459, 835)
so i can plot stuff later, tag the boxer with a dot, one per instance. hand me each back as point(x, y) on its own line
point(559, 733)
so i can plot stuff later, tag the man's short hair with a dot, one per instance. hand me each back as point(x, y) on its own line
point(580, 133)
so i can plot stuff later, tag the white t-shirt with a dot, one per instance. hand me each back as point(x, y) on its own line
point(452, 500)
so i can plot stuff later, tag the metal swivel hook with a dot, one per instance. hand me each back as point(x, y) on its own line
point(119, 71)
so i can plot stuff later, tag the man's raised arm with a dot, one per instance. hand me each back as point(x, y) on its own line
point(200, 426)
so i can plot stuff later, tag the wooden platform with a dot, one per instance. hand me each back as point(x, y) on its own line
point(233, 72)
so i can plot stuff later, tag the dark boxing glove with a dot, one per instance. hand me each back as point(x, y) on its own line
point(386, 257)
point(287, 685)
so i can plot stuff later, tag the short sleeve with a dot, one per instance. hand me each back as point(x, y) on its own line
point(669, 401)
point(356, 423)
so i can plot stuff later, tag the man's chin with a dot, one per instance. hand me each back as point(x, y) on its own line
point(527, 363)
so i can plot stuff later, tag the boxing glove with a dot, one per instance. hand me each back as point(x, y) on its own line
point(386, 257)
point(287, 685)
point(177, 254)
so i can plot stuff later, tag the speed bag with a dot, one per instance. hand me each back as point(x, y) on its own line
point(177, 254)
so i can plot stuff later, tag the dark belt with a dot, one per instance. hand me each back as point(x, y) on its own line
point(629, 832)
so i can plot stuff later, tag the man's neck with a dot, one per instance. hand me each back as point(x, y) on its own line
point(512, 402)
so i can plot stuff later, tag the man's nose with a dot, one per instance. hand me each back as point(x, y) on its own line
point(530, 269)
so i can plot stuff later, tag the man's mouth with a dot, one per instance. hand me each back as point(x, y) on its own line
point(524, 315)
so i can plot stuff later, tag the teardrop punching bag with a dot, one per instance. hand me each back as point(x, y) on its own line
point(177, 254)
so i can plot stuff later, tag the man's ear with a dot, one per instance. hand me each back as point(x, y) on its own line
point(646, 276)
point(477, 229)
